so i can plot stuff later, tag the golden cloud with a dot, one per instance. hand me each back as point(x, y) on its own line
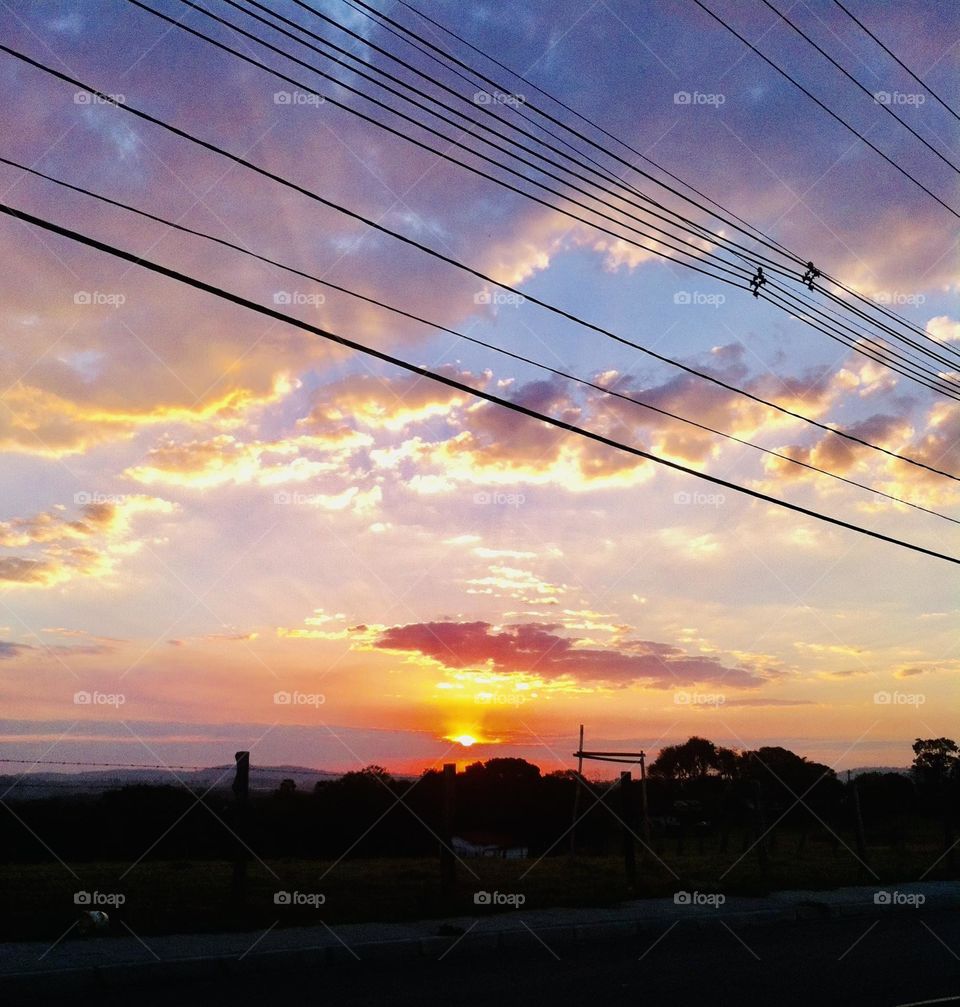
point(60, 549)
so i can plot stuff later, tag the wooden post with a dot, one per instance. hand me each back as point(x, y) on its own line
point(643, 798)
point(241, 793)
point(626, 808)
point(576, 797)
point(448, 866)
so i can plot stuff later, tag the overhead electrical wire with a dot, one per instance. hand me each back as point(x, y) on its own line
point(783, 73)
point(561, 312)
point(102, 765)
point(731, 269)
point(881, 354)
point(685, 224)
point(885, 106)
point(727, 216)
point(461, 386)
point(896, 59)
point(605, 389)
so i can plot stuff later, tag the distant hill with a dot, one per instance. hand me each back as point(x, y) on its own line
point(902, 770)
point(262, 779)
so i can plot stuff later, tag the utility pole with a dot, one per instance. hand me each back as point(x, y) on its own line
point(626, 810)
point(448, 867)
point(241, 793)
point(576, 796)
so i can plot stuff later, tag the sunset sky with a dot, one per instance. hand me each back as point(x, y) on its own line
point(203, 508)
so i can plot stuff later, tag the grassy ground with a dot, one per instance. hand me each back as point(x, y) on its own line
point(163, 896)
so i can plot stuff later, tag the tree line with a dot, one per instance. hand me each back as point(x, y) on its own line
point(694, 789)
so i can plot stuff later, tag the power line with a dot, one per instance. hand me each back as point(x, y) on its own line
point(440, 256)
point(747, 229)
point(103, 765)
point(734, 271)
point(826, 108)
point(904, 366)
point(862, 87)
point(897, 59)
point(443, 379)
point(738, 271)
point(727, 216)
point(604, 173)
point(607, 390)
point(686, 225)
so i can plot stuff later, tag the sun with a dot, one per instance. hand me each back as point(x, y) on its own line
point(465, 739)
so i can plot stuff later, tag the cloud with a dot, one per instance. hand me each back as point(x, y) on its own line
point(490, 446)
point(391, 404)
point(9, 650)
point(512, 582)
point(227, 459)
point(769, 702)
point(537, 648)
point(43, 422)
point(59, 549)
point(944, 328)
point(81, 634)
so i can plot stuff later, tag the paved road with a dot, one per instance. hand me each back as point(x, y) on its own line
point(903, 959)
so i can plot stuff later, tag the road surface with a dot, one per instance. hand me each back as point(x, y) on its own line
point(902, 959)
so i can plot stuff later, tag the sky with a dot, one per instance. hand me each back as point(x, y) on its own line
point(219, 531)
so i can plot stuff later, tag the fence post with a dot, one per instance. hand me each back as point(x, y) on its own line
point(448, 867)
point(626, 808)
point(576, 797)
point(241, 793)
point(643, 799)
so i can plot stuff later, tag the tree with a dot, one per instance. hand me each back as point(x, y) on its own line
point(936, 763)
point(695, 759)
point(728, 763)
point(504, 771)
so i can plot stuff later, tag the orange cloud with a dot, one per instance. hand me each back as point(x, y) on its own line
point(61, 549)
point(537, 648)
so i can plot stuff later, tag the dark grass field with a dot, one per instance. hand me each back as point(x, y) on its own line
point(162, 896)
